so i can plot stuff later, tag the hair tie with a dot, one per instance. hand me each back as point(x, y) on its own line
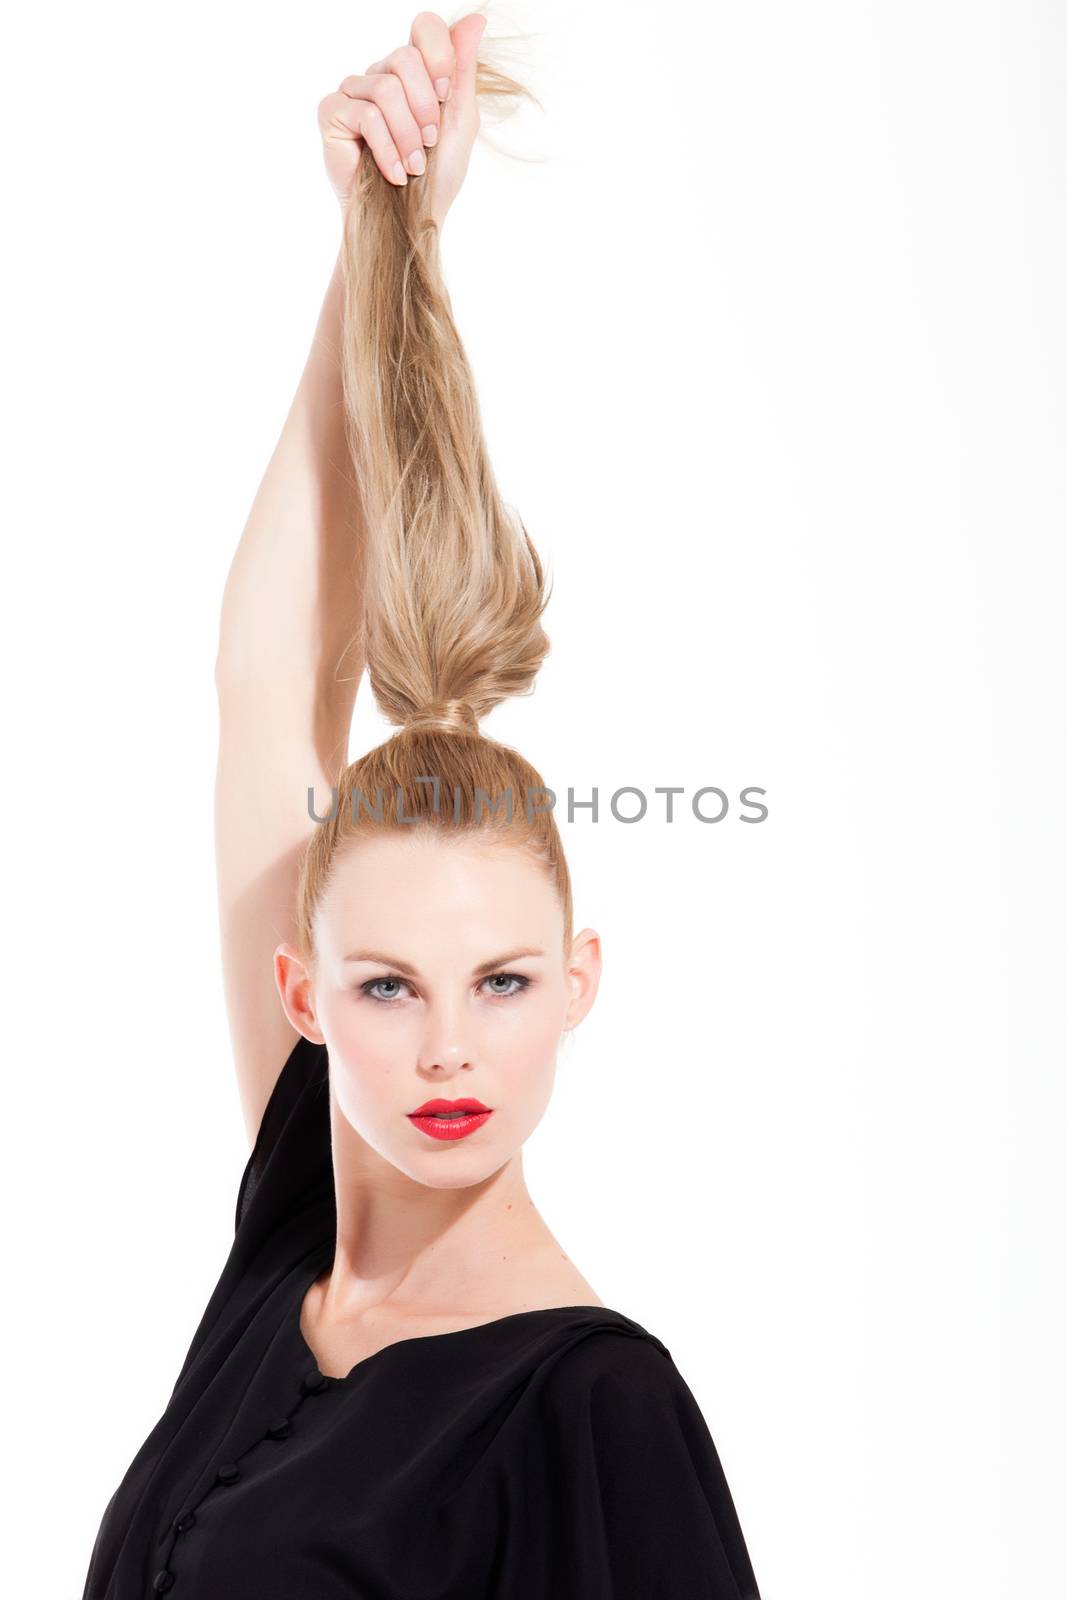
point(448, 716)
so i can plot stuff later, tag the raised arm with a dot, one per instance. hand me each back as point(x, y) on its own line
point(288, 664)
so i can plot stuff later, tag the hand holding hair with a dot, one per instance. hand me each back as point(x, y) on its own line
point(421, 97)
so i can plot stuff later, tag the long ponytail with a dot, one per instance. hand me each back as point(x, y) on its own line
point(455, 590)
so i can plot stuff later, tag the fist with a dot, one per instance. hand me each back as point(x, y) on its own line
point(415, 112)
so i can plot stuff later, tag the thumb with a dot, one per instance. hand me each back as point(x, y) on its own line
point(466, 37)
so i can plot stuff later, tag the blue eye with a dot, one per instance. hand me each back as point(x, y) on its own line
point(368, 988)
point(372, 984)
point(508, 977)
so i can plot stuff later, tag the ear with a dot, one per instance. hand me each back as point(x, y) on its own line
point(583, 976)
point(297, 992)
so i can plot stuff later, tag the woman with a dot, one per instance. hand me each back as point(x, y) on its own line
point(401, 1386)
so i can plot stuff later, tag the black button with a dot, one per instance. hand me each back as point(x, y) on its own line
point(279, 1429)
point(315, 1381)
point(228, 1474)
point(183, 1523)
point(162, 1581)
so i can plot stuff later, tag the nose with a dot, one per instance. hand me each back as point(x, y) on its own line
point(447, 1045)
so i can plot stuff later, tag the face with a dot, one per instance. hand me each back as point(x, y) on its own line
point(441, 976)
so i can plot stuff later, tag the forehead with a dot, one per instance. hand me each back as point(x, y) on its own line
point(427, 894)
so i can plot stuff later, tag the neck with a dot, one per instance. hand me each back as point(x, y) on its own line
point(417, 1247)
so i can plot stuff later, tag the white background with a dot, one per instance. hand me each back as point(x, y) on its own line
point(770, 346)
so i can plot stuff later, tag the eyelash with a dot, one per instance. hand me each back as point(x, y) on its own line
point(394, 977)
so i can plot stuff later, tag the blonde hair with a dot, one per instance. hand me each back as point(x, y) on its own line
point(455, 590)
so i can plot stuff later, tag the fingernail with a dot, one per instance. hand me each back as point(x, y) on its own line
point(416, 162)
point(399, 174)
point(429, 134)
point(443, 87)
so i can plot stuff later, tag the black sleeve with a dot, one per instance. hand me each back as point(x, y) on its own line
point(641, 1508)
point(291, 1161)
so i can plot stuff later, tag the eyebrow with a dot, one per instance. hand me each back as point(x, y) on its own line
point(405, 966)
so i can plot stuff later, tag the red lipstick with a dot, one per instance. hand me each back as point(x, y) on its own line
point(450, 1119)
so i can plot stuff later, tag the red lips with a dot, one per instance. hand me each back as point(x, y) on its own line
point(444, 1106)
point(450, 1120)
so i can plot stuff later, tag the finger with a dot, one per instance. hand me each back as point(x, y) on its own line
point(429, 33)
point(408, 65)
point(466, 37)
point(344, 119)
point(385, 91)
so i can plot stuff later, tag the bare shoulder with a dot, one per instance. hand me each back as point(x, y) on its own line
point(549, 1279)
point(569, 1289)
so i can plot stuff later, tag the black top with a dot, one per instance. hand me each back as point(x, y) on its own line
point(547, 1454)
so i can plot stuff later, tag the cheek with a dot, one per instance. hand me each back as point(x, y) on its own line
point(365, 1026)
point(535, 1039)
point(522, 1063)
point(369, 1044)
